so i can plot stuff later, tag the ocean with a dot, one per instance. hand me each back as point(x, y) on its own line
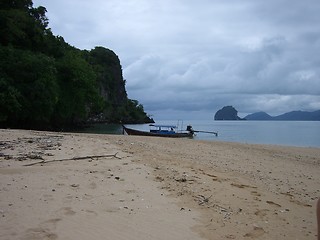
point(287, 133)
point(290, 133)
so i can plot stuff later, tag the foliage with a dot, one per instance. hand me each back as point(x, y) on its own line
point(28, 87)
point(133, 112)
point(46, 83)
point(77, 92)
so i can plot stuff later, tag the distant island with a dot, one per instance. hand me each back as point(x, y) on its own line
point(227, 113)
point(289, 116)
point(230, 113)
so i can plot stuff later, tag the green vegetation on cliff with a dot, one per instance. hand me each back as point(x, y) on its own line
point(46, 83)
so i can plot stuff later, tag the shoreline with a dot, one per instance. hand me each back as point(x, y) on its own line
point(193, 189)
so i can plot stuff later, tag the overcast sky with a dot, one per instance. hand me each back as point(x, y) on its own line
point(186, 59)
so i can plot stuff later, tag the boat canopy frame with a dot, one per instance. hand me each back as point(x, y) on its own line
point(163, 126)
point(163, 129)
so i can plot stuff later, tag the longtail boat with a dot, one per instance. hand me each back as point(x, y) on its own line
point(160, 131)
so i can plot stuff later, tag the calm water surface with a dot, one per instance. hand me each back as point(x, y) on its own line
point(290, 133)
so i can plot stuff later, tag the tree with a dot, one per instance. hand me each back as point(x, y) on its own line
point(21, 25)
point(78, 91)
point(29, 87)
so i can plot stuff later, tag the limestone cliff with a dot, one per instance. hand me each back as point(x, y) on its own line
point(227, 113)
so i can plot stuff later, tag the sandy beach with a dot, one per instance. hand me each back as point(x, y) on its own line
point(85, 186)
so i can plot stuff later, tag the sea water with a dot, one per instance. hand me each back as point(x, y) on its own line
point(289, 133)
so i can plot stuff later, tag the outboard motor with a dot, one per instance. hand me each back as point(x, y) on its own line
point(189, 128)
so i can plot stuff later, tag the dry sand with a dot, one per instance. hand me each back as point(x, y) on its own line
point(81, 186)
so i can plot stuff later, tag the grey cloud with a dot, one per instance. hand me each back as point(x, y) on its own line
point(199, 56)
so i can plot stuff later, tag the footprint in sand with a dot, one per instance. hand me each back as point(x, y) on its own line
point(39, 234)
point(256, 232)
point(261, 212)
point(44, 231)
point(68, 211)
point(52, 221)
point(91, 212)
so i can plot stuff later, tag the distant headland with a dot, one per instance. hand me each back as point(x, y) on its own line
point(289, 116)
point(230, 113)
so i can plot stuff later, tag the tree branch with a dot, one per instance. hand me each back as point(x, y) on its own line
point(74, 158)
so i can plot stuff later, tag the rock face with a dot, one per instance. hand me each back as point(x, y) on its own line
point(227, 113)
point(110, 79)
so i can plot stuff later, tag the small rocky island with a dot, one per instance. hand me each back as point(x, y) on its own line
point(227, 113)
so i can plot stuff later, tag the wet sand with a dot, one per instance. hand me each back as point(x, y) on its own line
point(85, 186)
